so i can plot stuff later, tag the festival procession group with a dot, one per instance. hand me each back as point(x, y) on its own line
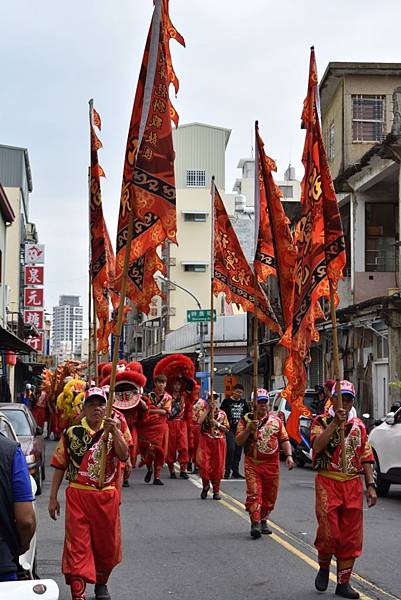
point(116, 420)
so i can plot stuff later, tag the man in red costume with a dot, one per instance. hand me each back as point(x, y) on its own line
point(339, 495)
point(92, 545)
point(211, 454)
point(153, 433)
point(129, 400)
point(178, 432)
point(262, 435)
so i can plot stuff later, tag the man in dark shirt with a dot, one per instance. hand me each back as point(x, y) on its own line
point(235, 408)
point(17, 517)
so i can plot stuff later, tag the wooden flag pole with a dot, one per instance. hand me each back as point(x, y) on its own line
point(211, 351)
point(95, 352)
point(90, 354)
point(336, 358)
point(117, 337)
point(255, 350)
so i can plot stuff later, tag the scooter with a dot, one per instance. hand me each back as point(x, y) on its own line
point(303, 450)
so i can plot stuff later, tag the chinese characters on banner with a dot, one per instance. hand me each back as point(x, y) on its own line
point(34, 294)
point(33, 275)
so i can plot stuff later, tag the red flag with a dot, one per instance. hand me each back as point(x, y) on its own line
point(232, 273)
point(321, 252)
point(275, 251)
point(148, 186)
point(102, 256)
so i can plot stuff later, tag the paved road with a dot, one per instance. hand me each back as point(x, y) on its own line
point(177, 546)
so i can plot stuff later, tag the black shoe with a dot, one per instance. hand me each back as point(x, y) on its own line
point(256, 530)
point(173, 475)
point(189, 467)
point(101, 592)
point(227, 475)
point(237, 476)
point(322, 580)
point(157, 481)
point(216, 496)
point(196, 470)
point(265, 529)
point(204, 492)
point(184, 475)
point(126, 483)
point(346, 591)
point(148, 475)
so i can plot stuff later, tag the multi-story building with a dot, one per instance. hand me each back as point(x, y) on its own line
point(361, 118)
point(67, 326)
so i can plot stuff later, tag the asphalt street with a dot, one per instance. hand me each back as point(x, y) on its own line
point(177, 546)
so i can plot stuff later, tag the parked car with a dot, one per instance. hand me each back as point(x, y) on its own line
point(28, 560)
point(30, 437)
point(40, 589)
point(282, 408)
point(385, 440)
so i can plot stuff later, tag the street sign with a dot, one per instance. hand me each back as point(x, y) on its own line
point(33, 275)
point(202, 374)
point(200, 316)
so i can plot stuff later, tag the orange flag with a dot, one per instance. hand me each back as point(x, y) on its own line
point(148, 186)
point(321, 252)
point(232, 273)
point(275, 252)
point(102, 256)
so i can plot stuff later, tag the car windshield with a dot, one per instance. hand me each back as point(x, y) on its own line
point(311, 401)
point(19, 421)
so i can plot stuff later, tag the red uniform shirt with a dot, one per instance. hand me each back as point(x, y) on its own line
point(264, 445)
point(357, 447)
point(199, 409)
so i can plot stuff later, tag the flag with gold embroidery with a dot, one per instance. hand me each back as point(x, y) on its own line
point(102, 260)
point(320, 252)
point(232, 273)
point(275, 252)
point(148, 186)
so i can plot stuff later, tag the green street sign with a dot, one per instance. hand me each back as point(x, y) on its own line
point(200, 316)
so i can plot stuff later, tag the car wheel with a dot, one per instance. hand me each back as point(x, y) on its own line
point(383, 485)
point(38, 481)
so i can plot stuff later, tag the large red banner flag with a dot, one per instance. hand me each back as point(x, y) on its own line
point(321, 252)
point(102, 261)
point(148, 186)
point(231, 271)
point(275, 252)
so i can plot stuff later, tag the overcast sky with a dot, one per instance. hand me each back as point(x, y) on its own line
point(244, 60)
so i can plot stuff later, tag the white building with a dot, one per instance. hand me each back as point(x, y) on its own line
point(67, 325)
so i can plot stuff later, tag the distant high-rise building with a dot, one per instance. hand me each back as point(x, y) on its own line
point(67, 325)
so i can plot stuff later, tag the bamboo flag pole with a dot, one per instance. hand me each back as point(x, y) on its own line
point(117, 337)
point(95, 352)
point(255, 280)
point(336, 358)
point(211, 352)
point(90, 354)
point(255, 352)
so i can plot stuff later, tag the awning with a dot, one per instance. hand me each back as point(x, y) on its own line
point(9, 341)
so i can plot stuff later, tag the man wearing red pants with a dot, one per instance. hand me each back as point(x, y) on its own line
point(211, 453)
point(339, 495)
point(178, 432)
point(262, 435)
point(92, 514)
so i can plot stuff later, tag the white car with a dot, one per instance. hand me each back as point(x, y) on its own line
point(31, 587)
point(280, 407)
point(385, 440)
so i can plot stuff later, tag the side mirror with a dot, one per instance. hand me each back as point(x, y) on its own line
point(390, 418)
point(39, 430)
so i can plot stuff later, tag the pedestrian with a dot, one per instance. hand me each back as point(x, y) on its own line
point(177, 431)
point(17, 517)
point(39, 409)
point(235, 407)
point(153, 433)
point(211, 454)
point(262, 435)
point(128, 399)
point(339, 495)
point(92, 544)
point(27, 396)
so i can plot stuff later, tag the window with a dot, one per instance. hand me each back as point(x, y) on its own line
point(195, 217)
point(196, 178)
point(330, 145)
point(287, 191)
point(381, 234)
point(194, 268)
point(367, 118)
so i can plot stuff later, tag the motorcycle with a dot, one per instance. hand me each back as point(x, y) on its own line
point(303, 450)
